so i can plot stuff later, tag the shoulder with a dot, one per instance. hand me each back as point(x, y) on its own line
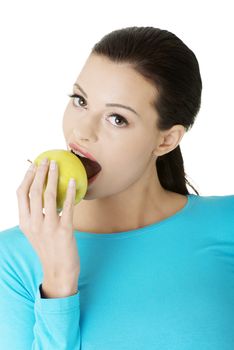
point(13, 242)
point(216, 214)
point(223, 205)
point(9, 235)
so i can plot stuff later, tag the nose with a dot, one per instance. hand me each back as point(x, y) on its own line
point(86, 123)
point(85, 130)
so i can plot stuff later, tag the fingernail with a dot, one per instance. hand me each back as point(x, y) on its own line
point(72, 182)
point(32, 167)
point(52, 164)
point(44, 161)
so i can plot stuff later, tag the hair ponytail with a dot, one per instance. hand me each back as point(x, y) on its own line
point(171, 174)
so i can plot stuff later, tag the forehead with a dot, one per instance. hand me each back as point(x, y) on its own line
point(114, 79)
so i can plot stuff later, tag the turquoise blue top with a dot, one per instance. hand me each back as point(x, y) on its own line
point(165, 286)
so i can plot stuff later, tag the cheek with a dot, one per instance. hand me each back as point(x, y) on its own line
point(65, 128)
point(124, 166)
point(67, 123)
point(65, 119)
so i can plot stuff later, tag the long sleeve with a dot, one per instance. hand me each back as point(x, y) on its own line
point(167, 285)
point(28, 321)
point(57, 323)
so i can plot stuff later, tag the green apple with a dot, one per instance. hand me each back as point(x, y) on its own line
point(69, 166)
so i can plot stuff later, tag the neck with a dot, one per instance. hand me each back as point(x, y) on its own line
point(139, 205)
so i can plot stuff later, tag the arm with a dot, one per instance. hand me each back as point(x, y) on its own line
point(57, 323)
point(31, 322)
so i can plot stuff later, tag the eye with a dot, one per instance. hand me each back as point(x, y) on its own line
point(119, 117)
point(114, 115)
point(76, 96)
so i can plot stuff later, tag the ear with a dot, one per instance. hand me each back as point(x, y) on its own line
point(169, 140)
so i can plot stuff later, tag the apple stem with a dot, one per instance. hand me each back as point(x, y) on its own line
point(29, 160)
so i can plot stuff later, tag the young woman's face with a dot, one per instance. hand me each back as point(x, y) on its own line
point(121, 141)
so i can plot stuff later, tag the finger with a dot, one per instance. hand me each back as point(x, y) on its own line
point(23, 195)
point(51, 193)
point(36, 193)
point(66, 219)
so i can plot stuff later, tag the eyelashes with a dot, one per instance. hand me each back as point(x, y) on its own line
point(75, 96)
point(116, 115)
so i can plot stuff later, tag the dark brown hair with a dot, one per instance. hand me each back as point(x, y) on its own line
point(163, 59)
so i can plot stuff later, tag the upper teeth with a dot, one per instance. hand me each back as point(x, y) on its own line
point(78, 153)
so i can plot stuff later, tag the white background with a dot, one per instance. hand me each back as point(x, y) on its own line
point(43, 47)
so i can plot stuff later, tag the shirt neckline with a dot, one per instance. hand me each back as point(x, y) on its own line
point(153, 226)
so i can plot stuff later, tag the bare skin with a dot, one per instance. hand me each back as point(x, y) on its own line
point(50, 235)
point(127, 193)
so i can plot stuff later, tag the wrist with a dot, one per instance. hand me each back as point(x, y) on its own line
point(57, 289)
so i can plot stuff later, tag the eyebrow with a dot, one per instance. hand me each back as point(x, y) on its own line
point(109, 104)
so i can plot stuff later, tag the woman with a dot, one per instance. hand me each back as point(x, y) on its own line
point(140, 263)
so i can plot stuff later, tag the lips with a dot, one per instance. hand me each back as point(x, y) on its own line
point(91, 165)
point(76, 147)
point(92, 168)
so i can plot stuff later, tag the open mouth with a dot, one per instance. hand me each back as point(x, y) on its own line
point(92, 168)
